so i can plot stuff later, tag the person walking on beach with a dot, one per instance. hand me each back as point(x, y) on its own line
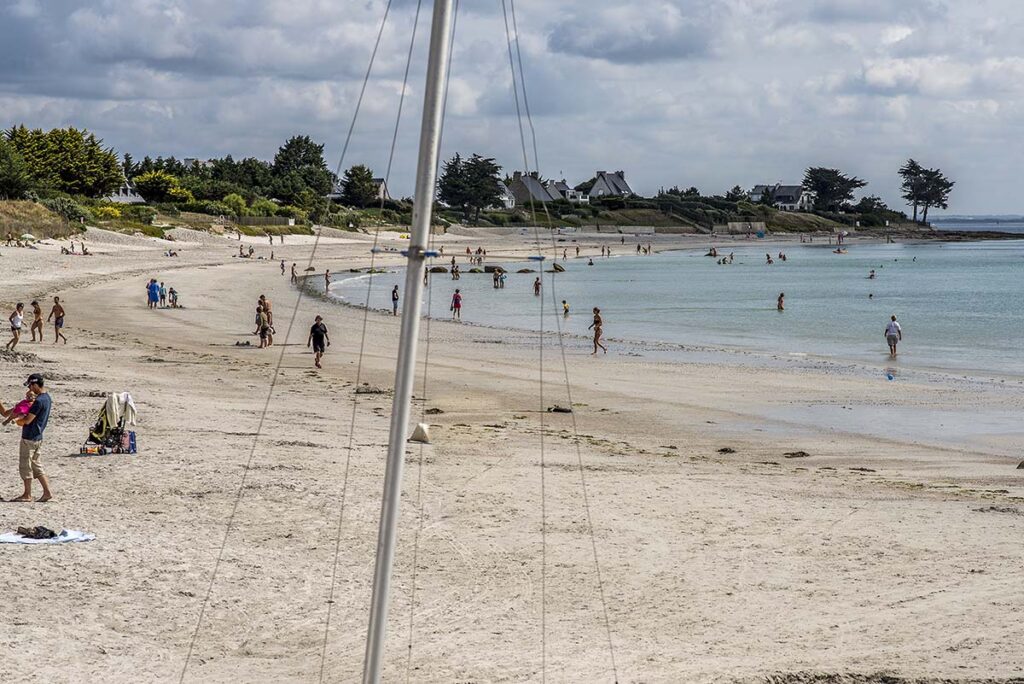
point(37, 321)
point(33, 425)
point(597, 327)
point(163, 296)
point(536, 287)
point(457, 305)
point(152, 293)
point(268, 310)
point(317, 338)
point(17, 318)
point(893, 335)
point(282, 267)
point(327, 280)
point(262, 327)
point(565, 309)
point(295, 275)
point(57, 314)
point(781, 303)
point(394, 301)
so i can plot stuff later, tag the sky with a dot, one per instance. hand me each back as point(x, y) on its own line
point(710, 93)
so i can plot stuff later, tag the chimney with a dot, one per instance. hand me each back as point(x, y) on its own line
point(516, 175)
point(621, 174)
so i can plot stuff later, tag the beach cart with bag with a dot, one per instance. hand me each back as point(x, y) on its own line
point(112, 433)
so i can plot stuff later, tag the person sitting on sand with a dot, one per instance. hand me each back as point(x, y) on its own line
point(17, 318)
point(781, 303)
point(893, 335)
point(57, 314)
point(597, 326)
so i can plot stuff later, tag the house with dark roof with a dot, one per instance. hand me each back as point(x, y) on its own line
point(506, 200)
point(610, 184)
point(527, 188)
point(784, 197)
point(125, 194)
point(566, 192)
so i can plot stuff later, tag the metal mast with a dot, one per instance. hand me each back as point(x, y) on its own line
point(426, 176)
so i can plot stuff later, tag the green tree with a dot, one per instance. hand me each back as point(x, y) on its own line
point(936, 191)
point(870, 204)
point(68, 160)
point(453, 186)
point(155, 186)
point(912, 186)
point(15, 179)
point(358, 188)
point(300, 163)
point(482, 175)
point(736, 194)
point(263, 207)
point(236, 203)
point(831, 188)
point(128, 166)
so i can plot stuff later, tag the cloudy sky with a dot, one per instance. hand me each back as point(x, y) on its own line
point(711, 93)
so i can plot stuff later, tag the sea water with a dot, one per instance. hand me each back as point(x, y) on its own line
point(961, 305)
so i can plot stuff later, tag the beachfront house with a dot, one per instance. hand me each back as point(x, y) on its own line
point(506, 200)
point(381, 187)
point(527, 188)
point(566, 192)
point(784, 197)
point(609, 185)
point(125, 195)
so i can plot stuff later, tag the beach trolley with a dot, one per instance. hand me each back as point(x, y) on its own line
point(112, 433)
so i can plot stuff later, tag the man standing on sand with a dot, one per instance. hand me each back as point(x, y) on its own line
point(32, 427)
point(295, 276)
point(57, 314)
point(37, 321)
point(282, 267)
point(327, 280)
point(317, 337)
point(893, 335)
point(394, 301)
point(163, 296)
point(268, 311)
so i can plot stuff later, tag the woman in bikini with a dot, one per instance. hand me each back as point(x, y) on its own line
point(596, 325)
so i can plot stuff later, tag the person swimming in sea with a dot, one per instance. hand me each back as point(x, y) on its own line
point(590, 262)
point(871, 276)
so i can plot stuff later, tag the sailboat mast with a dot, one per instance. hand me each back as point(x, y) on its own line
point(426, 176)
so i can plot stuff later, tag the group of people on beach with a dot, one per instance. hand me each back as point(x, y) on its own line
point(159, 296)
point(71, 250)
point(17, 321)
point(265, 322)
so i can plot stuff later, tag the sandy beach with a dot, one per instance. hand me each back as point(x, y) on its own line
point(708, 521)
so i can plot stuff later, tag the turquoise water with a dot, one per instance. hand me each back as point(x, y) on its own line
point(961, 305)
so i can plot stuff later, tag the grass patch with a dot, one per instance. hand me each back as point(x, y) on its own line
point(22, 216)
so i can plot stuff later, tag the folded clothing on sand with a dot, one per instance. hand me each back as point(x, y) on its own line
point(64, 537)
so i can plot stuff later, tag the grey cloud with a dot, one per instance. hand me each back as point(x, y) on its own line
point(639, 33)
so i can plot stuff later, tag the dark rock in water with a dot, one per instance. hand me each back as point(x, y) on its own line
point(558, 268)
point(796, 454)
point(438, 269)
point(309, 270)
point(526, 270)
point(354, 270)
point(433, 411)
point(476, 270)
point(727, 450)
point(1020, 466)
point(559, 409)
point(492, 269)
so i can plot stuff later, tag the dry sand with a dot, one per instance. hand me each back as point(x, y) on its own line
point(871, 554)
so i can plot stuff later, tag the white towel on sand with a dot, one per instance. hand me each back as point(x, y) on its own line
point(63, 537)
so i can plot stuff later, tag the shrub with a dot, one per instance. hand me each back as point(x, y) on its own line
point(138, 213)
point(235, 204)
point(106, 213)
point(289, 211)
point(67, 208)
point(263, 207)
point(180, 194)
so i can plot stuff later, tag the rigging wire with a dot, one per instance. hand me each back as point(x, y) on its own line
point(561, 345)
point(540, 348)
point(362, 343)
point(426, 366)
point(277, 370)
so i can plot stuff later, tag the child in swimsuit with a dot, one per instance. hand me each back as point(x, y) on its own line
point(21, 409)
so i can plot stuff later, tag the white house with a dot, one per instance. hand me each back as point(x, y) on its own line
point(506, 200)
point(563, 190)
point(784, 197)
